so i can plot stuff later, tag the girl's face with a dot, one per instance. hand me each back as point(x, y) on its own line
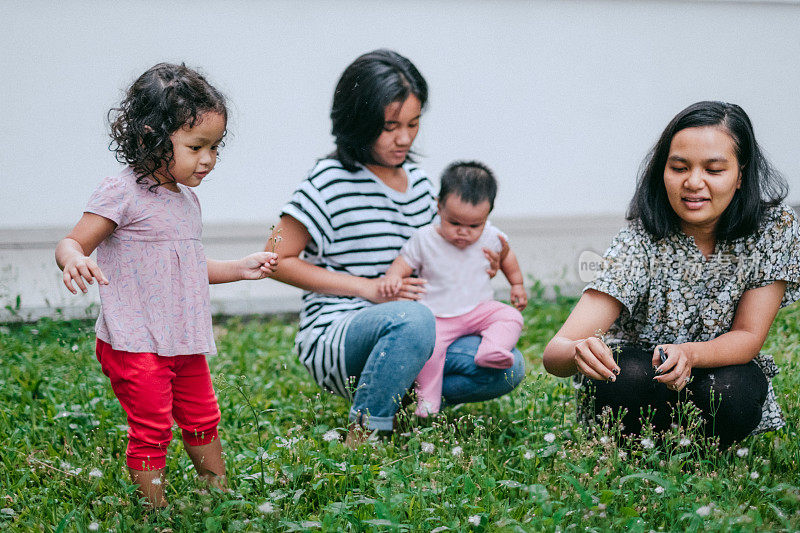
point(701, 176)
point(400, 128)
point(461, 223)
point(194, 150)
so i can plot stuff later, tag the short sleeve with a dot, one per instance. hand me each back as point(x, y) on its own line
point(778, 251)
point(491, 238)
point(109, 200)
point(411, 251)
point(309, 208)
point(624, 273)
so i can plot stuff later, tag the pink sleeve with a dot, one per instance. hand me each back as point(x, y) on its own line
point(109, 200)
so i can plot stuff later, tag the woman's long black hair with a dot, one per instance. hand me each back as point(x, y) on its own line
point(369, 84)
point(162, 100)
point(762, 186)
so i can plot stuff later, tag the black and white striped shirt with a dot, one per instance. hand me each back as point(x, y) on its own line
point(357, 226)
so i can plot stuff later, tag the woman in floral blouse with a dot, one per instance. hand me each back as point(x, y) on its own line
point(708, 258)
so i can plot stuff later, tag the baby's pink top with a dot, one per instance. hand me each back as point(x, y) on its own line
point(157, 299)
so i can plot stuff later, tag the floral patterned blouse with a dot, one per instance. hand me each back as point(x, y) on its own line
point(672, 294)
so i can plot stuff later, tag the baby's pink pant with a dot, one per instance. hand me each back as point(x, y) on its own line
point(499, 325)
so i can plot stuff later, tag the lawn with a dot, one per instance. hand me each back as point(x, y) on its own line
point(520, 463)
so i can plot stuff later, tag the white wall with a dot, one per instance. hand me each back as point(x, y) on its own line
point(562, 98)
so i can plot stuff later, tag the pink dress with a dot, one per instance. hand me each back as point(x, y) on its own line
point(157, 299)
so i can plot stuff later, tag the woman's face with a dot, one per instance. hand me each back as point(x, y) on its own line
point(400, 128)
point(701, 176)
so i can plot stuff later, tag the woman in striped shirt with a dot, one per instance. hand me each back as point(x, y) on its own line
point(343, 227)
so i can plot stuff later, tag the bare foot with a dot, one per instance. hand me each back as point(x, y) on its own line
point(214, 481)
point(358, 435)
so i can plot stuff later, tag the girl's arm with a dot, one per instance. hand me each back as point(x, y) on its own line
point(293, 238)
point(576, 348)
point(392, 281)
point(73, 251)
point(510, 267)
point(754, 316)
point(255, 266)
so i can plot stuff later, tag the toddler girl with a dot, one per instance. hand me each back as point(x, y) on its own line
point(154, 328)
point(450, 257)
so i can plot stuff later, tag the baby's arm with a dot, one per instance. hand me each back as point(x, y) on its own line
point(510, 267)
point(73, 251)
point(392, 281)
point(254, 266)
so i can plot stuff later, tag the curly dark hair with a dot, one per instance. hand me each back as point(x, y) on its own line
point(160, 101)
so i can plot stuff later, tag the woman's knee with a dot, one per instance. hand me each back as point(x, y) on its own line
point(732, 395)
point(414, 323)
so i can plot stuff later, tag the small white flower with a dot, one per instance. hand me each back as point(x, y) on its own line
point(95, 472)
point(156, 481)
point(94, 526)
point(342, 466)
point(742, 452)
point(549, 437)
point(528, 455)
point(383, 474)
point(576, 385)
point(475, 520)
point(659, 490)
point(684, 442)
point(427, 447)
point(266, 507)
point(648, 444)
point(331, 435)
point(457, 450)
point(622, 454)
point(704, 511)
point(74, 347)
point(604, 440)
point(754, 475)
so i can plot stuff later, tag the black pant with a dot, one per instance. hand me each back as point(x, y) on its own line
point(729, 397)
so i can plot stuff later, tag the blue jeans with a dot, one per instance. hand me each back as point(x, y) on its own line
point(386, 346)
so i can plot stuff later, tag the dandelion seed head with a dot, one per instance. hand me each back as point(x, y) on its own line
point(742, 452)
point(528, 455)
point(704, 510)
point(604, 440)
point(156, 481)
point(475, 520)
point(754, 475)
point(684, 442)
point(95, 472)
point(622, 454)
point(549, 437)
point(659, 490)
point(427, 447)
point(94, 526)
point(8, 511)
point(266, 507)
point(648, 444)
point(331, 435)
point(457, 450)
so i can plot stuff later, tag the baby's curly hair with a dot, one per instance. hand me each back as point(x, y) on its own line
point(160, 101)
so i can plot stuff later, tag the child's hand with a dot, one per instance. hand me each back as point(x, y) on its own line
point(519, 298)
point(495, 258)
point(258, 265)
point(390, 286)
point(80, 268)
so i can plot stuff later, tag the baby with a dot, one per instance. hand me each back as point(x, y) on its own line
point(450, 256)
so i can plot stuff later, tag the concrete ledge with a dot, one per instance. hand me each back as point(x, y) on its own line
point(547, 247)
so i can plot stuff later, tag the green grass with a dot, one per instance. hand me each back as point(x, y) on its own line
point(517, 463)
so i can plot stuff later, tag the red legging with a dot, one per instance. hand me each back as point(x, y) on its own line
point(153, 390)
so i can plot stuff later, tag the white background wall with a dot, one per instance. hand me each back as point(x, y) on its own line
point(562, 98)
